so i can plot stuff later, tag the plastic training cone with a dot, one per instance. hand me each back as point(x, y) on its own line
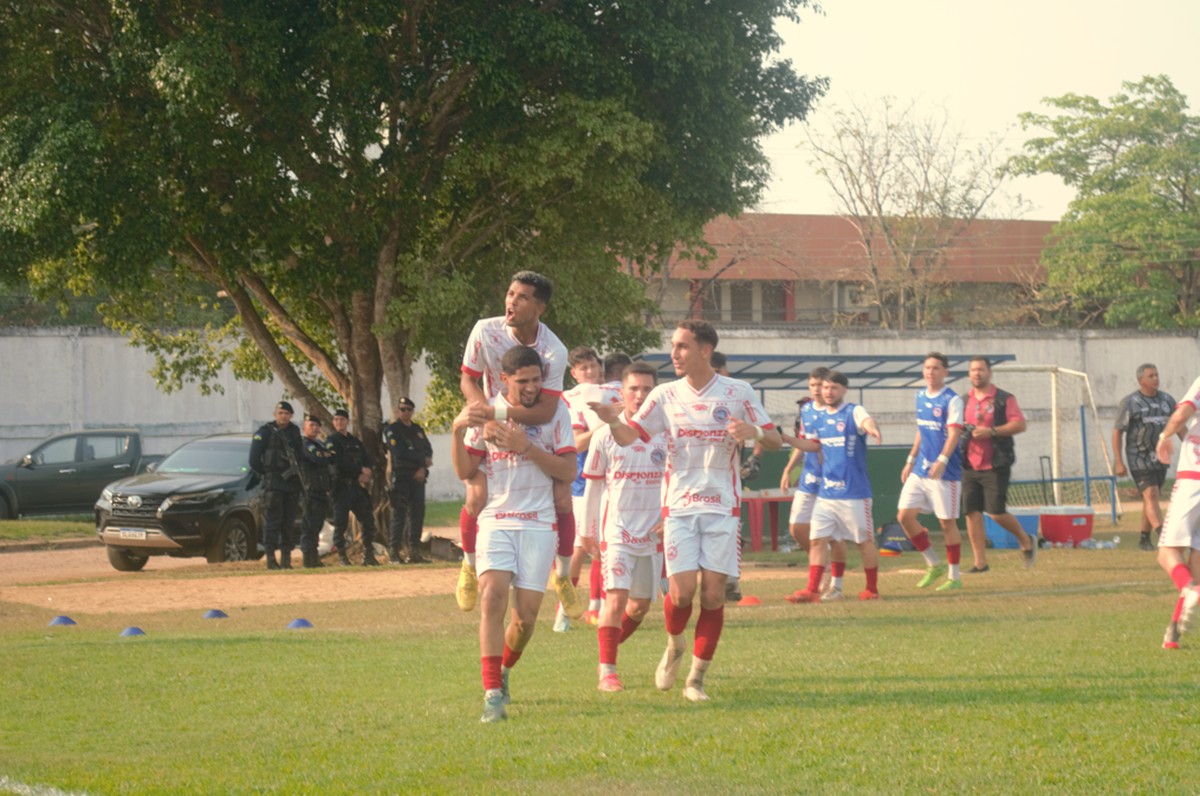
point(299, 624)
point(749, 599)
point(215, 613)
point(61, 620)
point(133, 631)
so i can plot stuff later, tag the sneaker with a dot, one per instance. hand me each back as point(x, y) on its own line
point(832, 596)
point(466, 593)
point(804, 596)
point(932, 575)
point(1191, 596)
point(567, 596)
point(592, 618)
point(976, 570)
point(668, 669)
point(1171, 637)
point(694, 692)
point(732, 593)
point(950, 585)
point(1145, 543)
point(610, 683)
point(493, 706)
point(505, 694)
point(1030, 556)
point(868, 595)
point(561, 623)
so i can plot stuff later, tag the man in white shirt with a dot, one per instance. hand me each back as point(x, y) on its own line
point(1179, 541)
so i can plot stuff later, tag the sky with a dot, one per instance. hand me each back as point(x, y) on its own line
point(985, 63)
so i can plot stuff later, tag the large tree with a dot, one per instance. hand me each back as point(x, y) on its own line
point(1128, 248)
point(352, 183)
point(911, 185)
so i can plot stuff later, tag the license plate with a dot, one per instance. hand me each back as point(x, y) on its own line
point(132, 533)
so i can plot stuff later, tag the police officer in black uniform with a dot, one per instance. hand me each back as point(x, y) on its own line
point(353, 473)
point(317, 477)
point(411, 456)
point(275, 454)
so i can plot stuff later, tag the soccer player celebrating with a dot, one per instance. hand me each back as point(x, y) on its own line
point(623, 498)
point(1179, 541)
point(516, 541)
point(587, 370)
point(843, 508)
point(707, 417)
point(932, 475)
point(520, 325)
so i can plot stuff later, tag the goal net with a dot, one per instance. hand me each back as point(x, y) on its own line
point(1063, 457)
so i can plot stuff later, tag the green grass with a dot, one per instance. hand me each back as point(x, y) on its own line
point(64, 527)
point(1052, 679)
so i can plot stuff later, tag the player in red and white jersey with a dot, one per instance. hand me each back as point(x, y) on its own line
point(624, 498)
point(516, 528)
point(1179, 541)
point(481, 381)
point(707, 418)
point(587, 370)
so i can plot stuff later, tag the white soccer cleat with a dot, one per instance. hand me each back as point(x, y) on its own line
point(694, 692)
point(668, 669)
point(561, 622)
point(832, 596)
point(1191, 598)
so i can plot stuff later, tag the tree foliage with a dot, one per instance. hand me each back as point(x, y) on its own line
point(911, 185)
point(1128, 248)
point(354, 182)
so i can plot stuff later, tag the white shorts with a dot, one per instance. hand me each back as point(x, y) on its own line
point(802, 508)
point(843, 520)
point(1181, 526)
point(703, 541)
point(528, 553)
point(636, 572)
point(929, 496)
point(577, 504)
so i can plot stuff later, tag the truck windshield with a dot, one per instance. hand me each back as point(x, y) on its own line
point(208, 458)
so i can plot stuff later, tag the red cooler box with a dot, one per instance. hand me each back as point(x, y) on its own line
point(1067, 524)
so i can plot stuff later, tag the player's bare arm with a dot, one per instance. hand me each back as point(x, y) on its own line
point(938, 468)
point(744, 432)
point(512, 437)
point(872, 430)
point(1175, 427)
point(465, 465)
point(611, 414)
point(593, 496)
point(793, 460)
point(912, 457)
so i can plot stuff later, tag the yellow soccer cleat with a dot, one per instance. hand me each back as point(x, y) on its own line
point(567, 596)
point(466, 593)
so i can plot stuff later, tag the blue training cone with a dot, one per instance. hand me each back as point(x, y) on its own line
point(133, 631)
point(215, 613)
point(61, 620)
point(299, 624)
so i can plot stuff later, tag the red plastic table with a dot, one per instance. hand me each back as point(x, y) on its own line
point(757, 502)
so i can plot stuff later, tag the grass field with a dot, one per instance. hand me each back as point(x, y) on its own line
point(1046, 680)
point(48, 528)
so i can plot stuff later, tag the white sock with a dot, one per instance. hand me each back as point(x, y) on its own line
point(469, 558)
point(676, 643)
point(929, 556)
point(836, 582)
point(954, 574)
point(607, 669)
point(563, 566)
point(696, 675)
point(560, 614)
point(593, 605)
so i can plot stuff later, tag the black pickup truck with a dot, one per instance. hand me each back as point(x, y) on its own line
point(66, 473)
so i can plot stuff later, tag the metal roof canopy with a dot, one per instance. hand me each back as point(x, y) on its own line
point(865, 371)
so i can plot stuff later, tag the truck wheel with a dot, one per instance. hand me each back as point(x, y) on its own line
point(233, 543)
point(125, 561)
point(6, 513)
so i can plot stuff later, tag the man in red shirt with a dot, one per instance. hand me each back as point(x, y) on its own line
point(992, 419)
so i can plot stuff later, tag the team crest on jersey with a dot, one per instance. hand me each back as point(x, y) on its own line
point(658, 456)
point(672, 553)
point(841, 426)
point(937, 411)
point(618, 569)
point(697, 407)
point(533, 432)
point(720, 414)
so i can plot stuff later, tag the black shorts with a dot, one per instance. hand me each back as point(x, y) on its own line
point(1148, 478)
point(986, 490)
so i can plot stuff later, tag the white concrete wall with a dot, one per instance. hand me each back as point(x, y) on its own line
point(58, 380)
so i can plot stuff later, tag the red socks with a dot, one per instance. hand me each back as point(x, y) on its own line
point(920, 541)
point(814, 578)
point(596, 574)
point(510, 658)
point(837, 568)
point(468, 528)
point(676, 618)
point(628, 626)
point(953, 552)
point(872, 579)
point(708, 632)
point(566, 533)
point(609, 638)
point(1181, 576)
point(490, 666)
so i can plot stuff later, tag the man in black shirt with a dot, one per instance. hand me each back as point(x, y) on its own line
point(1141, 417)
point(353, 474)
point(275, 454)
point(317, 477)
point(410, 455)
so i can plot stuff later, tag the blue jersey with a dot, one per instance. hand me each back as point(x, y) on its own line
point(810, 475)
point(844, 452)
point(936, 415)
